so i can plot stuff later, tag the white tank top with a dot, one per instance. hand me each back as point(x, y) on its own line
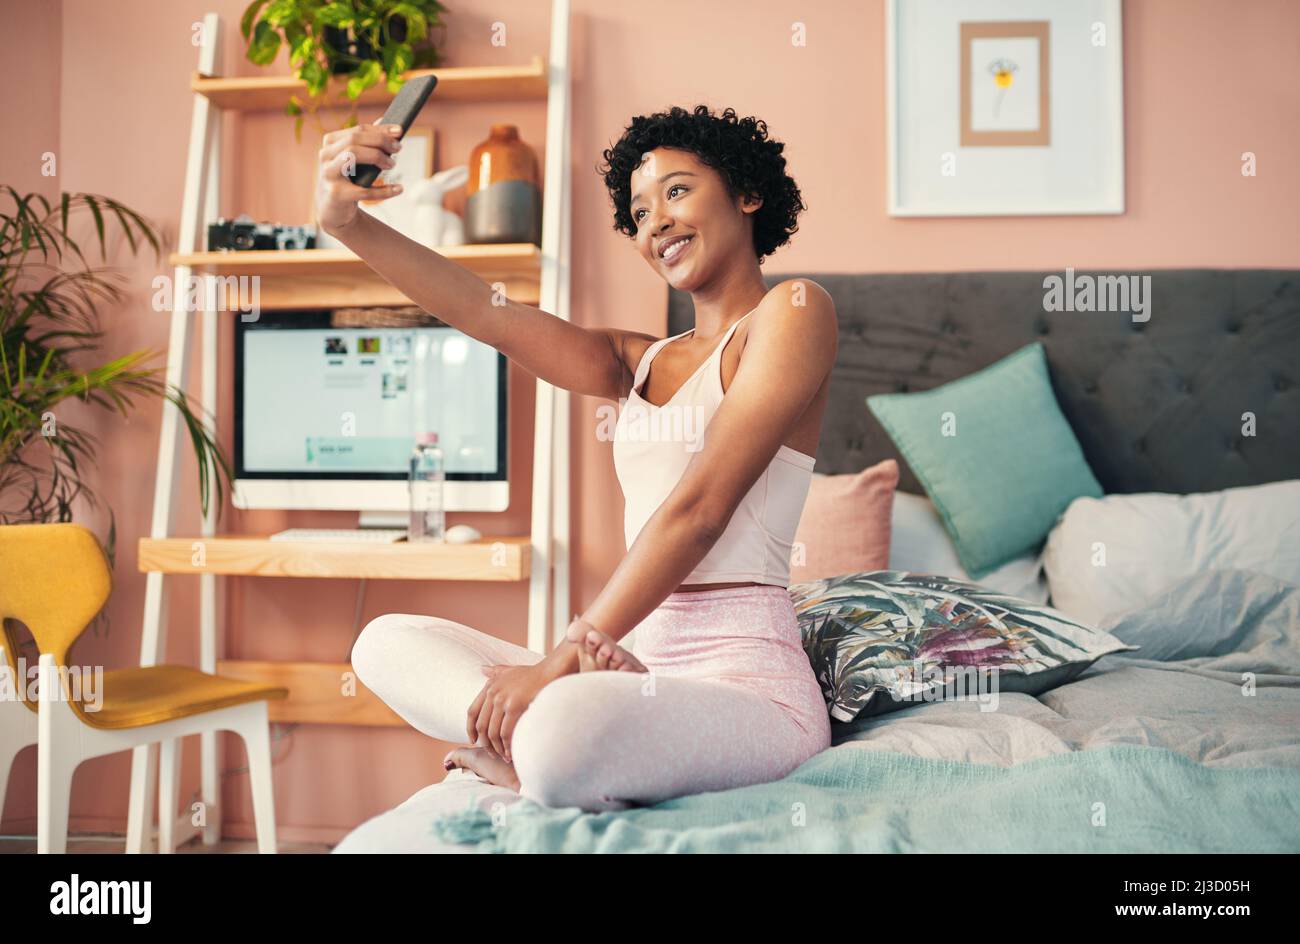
point(652, 446)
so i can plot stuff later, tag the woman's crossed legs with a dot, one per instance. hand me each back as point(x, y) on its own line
point(597, 740)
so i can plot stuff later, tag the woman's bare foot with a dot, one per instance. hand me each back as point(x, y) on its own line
point(599, 653)
point(485, 762)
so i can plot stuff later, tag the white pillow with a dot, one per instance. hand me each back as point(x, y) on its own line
point(920, 543)
point(1108, 555)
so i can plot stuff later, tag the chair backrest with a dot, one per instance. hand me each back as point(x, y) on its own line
point(53, 578)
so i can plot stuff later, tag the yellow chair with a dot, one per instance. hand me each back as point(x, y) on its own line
point(53, 578)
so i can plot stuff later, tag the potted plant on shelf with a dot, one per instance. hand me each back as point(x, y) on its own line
point(49, 338)
point(360, 41)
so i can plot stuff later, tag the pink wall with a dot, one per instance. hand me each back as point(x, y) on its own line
point(29, 121)
point(1204, 81)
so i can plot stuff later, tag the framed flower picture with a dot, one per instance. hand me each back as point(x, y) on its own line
point(1004, 107)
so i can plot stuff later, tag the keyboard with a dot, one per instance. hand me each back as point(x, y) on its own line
point(346, 535)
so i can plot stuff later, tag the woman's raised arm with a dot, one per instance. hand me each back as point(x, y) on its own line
point(561, 353)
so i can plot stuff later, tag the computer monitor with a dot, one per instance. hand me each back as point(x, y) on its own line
point(328, 404)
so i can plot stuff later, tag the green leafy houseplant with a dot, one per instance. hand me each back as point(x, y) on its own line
point(49, 329)
point(361, 40)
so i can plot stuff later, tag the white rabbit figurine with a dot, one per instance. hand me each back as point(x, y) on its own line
point(434, 225)
point(418, 212)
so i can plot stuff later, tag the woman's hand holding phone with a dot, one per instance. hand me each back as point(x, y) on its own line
point(341, 152)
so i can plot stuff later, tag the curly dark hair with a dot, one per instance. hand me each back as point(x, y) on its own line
point(737, 148)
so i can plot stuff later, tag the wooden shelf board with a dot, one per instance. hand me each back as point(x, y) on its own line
point(522, 257)
point(334, 278)
point(455, 84)
point(319, 693)
point(492, 558)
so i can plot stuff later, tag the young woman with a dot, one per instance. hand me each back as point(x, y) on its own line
point(716, 691)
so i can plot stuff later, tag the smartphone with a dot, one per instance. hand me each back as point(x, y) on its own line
point(405, 106)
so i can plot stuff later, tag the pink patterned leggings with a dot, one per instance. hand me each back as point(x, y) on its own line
point(729, 700)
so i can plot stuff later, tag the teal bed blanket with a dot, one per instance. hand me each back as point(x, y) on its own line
point(1117, 798)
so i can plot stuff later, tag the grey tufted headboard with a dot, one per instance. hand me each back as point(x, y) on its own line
point(1157, 405)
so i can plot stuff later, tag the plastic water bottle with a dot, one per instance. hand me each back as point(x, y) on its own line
point(428, 510)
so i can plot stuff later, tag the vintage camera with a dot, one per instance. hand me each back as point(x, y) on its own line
point(244, 234)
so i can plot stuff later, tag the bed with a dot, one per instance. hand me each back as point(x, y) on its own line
point(1189, 746)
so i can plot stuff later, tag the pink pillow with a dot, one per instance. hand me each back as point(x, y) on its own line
point(844, 527)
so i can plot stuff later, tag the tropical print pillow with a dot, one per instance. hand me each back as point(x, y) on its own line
point(883, 640)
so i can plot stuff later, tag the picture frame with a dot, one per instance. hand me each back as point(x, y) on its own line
point(1004, 107)
point(414, 165)
point(983, 122)
point(414, 161)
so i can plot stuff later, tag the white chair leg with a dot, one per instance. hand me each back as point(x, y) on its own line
point(168, 772)
point(56, 761)
point(139, 818)
point(7, 756)
point(211, 792)
point(257, 742)
point(53, 799)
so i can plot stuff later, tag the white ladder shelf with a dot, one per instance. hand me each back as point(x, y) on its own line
point(549, 534)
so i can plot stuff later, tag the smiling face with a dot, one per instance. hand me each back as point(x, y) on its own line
point(688, 226)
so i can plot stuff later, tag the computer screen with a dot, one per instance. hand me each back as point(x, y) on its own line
point(343, 394)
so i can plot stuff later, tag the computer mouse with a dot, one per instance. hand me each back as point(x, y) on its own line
point(462, 534)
